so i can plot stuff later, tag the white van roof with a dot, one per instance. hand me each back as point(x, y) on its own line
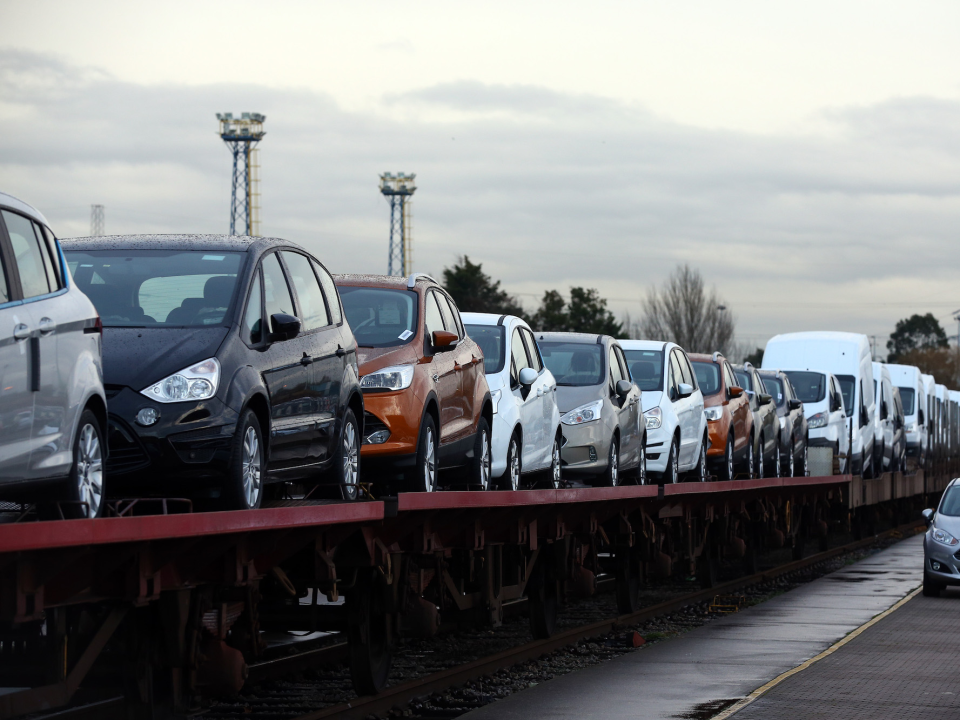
point(839, 352)
point(904, 375)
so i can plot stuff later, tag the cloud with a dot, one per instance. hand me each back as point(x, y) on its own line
point(850, 229)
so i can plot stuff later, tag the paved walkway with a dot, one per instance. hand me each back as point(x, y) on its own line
point(731, 657)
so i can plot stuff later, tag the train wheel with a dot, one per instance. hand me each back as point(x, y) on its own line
point(628, 582)
point(369, 629)
point(542, 603)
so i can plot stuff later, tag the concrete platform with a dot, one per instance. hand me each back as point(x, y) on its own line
point(731, 657)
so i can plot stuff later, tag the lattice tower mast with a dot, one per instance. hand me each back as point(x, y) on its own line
point(96, 220)
point(398, 190)
point(242, 135)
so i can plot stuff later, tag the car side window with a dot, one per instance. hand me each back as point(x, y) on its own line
point(758, 384)
point(448, 321)
point(313, 310)
point(674, 376)
point(624, 368)
point(533, 351)
point(276, 291)
point(330, 291)
point(431, 316)
point(253, 317)
point(4, 285)
point(28, 251)
point(518, 357)
point(687, 369)
point(456, 316)
point(616, 372)
point(677, 371)
point(728, 375)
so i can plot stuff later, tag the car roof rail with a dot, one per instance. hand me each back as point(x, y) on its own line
point(717, 356)
point(412, 280)
point(747, 365)
point(500, 321)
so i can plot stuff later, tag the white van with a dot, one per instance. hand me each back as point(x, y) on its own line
point(954, 396)
point(929, 388)
point(823, 408)
point(846, 355)
point(942, 449)
point(883, 419)
point(914, 396)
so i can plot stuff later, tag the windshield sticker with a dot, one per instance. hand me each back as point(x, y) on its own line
point(406, 335)
point(213, 257)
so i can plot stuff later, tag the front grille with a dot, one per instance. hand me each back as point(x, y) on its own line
point(126, 452)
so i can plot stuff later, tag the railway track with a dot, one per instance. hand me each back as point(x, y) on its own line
point(612, 636)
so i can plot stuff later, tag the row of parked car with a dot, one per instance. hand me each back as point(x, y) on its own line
point(228, 367)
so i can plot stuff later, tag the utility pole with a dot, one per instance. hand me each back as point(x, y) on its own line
point(96, 220)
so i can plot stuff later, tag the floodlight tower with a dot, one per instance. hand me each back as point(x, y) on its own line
point(242, 136)
point(96, 220)
point(397, 189)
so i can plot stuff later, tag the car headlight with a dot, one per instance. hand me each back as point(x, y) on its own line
point(653, 418)
point(713, 413)
point(583, 414)
point(821, 419)
point(942, 536)
point(197, 382)
point(396, 377)
point(495, 399)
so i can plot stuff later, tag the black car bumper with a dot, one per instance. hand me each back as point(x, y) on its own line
point(187, 448)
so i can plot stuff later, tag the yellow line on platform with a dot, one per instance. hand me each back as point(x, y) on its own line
point(803, 666)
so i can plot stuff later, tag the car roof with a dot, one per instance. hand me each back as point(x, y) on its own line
point(583, 338)
point(646, 344)
point(235, 243)
point(475, 318)
point(384, 281)
point(19, 205)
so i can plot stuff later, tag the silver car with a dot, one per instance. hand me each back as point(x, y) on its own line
point(941, 566)
point(53, 407)
point(600, 414)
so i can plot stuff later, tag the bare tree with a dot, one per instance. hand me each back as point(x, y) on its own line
point(684, 312)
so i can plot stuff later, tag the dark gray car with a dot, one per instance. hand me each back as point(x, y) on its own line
point(766, 430)
point(53, 409)
point(793, 422)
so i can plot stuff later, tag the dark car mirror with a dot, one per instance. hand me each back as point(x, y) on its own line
point(528, 376)
point(864, 418)
point(735, 391)
point(624, 387)
point(685, 389)
point(928, 516)
point(285, 327)
point(764, 398)
point(444, 340)
point(883, 411)
point(795, 404)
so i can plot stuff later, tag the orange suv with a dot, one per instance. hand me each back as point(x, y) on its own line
point(426, 401)
point(729, 419)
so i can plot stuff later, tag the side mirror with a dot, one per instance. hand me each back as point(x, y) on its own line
point(765, 399)
point(285, 327)
point(528, 376)
point(928, 516)
point(864, 418)
point(883, 411)
point(795, 404)
point(444, 340)
point(735, 391)
point(623, 387)
point(686, 389)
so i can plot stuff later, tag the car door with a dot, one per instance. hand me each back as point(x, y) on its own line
point(690, 412)
point(624, 407)
point(446, 381)
point(16, 395)
point(739, 408)
point(325, 354)
point(463, 368)
point(285, 373)
point(635, 433)
point(530, 405)
point(546, 389)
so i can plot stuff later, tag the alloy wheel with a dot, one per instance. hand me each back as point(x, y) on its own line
point(89, 470)
point(642, 468)
point(614, 464)
point(486, 471)
point(703, 461)
point(792, 463)
point(251, 467)
point(429, 468)
point(751, 473)
point(675, 462)
point(729, 458)
point(555, 469)
point(351, 461)
point(806, 467)
point(779, 464)
point(513, 457)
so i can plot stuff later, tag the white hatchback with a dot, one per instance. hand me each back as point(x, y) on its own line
point(672, 408)
point(526, 432)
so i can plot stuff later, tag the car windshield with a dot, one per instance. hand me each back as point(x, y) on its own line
point(708, 376)
point(950, 505)
point(774, 386)
point(907, 397)
point(810, 387)
point(147, 288)
point(646, 368)
point(380, 317)
point(848, 387)
point(574, 364)
point(491, 339)
point(743, 378)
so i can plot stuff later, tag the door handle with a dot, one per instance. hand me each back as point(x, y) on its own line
point(21, 331)
point(46, 326)
point(340, 351)
point(306, 360)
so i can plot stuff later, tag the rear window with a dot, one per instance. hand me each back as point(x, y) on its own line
point(908, 396)
point(810, 387)
point(491, 339)
point(380, 317)
point(574, 364)
point(708, 376)
point(646, 368)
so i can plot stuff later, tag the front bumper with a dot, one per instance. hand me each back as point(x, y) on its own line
point(717, 430)
point(398, 412)
point(579, 441)
point(658, 449)
point(500, 441)
point(949, 572)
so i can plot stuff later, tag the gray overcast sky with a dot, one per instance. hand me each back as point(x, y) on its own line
point(805, 157)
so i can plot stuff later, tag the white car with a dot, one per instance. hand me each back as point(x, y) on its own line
point(883, 418)
point(672, 408)
point(822, 398)
point(526, 432)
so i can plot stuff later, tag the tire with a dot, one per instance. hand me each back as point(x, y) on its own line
point(510, 480)
point(641, 472)
point(345, 472)
point(481, 466)
point(368, 634)
point(427, 471)
point(805, 460)
point(777, 464)
point(84, 495)
point(555, 474)
point(611, 476)
point(760, 464)
point(727, 471)
point(244, 486)
point(932, 588)
point(671, 475)
point(542, 602)
point(792, 462)
point(702, 470)
point(749, 465)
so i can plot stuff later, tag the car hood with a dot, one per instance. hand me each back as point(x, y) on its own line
point(371, 359)
point(139, 357)
point(569, 398)
point(650, 399)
